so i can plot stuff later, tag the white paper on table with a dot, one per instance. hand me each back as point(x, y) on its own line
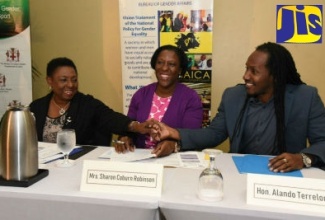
point(137, 155)
point(190, 160)
point(48, 152)
point(183, 159)
point(169, 161)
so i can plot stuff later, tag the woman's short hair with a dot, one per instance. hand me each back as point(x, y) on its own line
point(59, 62)
point(183, 61)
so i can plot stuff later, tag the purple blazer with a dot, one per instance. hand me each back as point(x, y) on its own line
point(184, 111)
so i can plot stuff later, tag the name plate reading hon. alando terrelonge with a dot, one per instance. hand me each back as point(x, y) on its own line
point(286, 192)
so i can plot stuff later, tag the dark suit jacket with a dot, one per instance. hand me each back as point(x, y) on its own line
point(92, 120)
point(304, 120)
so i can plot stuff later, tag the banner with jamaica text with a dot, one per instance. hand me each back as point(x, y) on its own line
point(146, 25)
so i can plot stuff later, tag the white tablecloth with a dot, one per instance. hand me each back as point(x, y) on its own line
point(179, 200)
point(58, 197)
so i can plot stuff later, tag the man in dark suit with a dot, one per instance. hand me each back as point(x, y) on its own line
point(272, 113)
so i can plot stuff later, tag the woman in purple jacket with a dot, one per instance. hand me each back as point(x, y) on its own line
point(166, 100)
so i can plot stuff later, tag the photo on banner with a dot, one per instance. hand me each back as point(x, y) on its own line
point(147, 25)
point(15, 53)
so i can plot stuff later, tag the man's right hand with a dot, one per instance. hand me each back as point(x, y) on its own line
point(161, 131)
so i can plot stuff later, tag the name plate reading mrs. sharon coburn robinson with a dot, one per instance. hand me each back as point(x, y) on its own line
point(122, 178)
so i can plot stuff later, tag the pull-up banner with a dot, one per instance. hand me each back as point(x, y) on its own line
point(15, 53)
point(146, 25)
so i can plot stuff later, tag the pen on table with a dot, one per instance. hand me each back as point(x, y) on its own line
point(74, 151)
point(118, 142)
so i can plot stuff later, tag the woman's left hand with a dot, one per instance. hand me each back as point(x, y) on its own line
point(142, 128)
point(164, 148)
point(286, 162)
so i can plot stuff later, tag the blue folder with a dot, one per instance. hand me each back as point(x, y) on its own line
point(259, 164)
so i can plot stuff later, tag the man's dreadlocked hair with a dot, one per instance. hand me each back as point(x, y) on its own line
point(283, 69)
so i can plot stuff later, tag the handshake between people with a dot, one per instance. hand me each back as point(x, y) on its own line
point(163, 139)
point(160, 131)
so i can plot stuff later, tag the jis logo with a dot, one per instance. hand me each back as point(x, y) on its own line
point(299, 24)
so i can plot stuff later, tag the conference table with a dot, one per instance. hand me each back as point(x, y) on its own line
point(179, 200)
point(58, 197)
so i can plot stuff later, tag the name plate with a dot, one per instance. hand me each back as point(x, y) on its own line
point(286, 192)
point(122, 178)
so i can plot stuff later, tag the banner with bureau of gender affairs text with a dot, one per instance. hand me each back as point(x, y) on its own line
point(146, 25)
point(15, 53)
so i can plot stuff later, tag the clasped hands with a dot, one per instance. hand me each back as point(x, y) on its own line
point(167, 137)
point(157, 130)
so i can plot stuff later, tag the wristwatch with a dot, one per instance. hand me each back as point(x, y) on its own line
point(306, 160)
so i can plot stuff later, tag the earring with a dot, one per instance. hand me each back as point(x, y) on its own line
point(50, 87)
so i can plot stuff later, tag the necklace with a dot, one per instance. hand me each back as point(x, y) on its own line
point(62, 109)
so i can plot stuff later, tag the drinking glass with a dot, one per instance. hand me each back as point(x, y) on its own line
point(66, 141)
point(211, 181)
